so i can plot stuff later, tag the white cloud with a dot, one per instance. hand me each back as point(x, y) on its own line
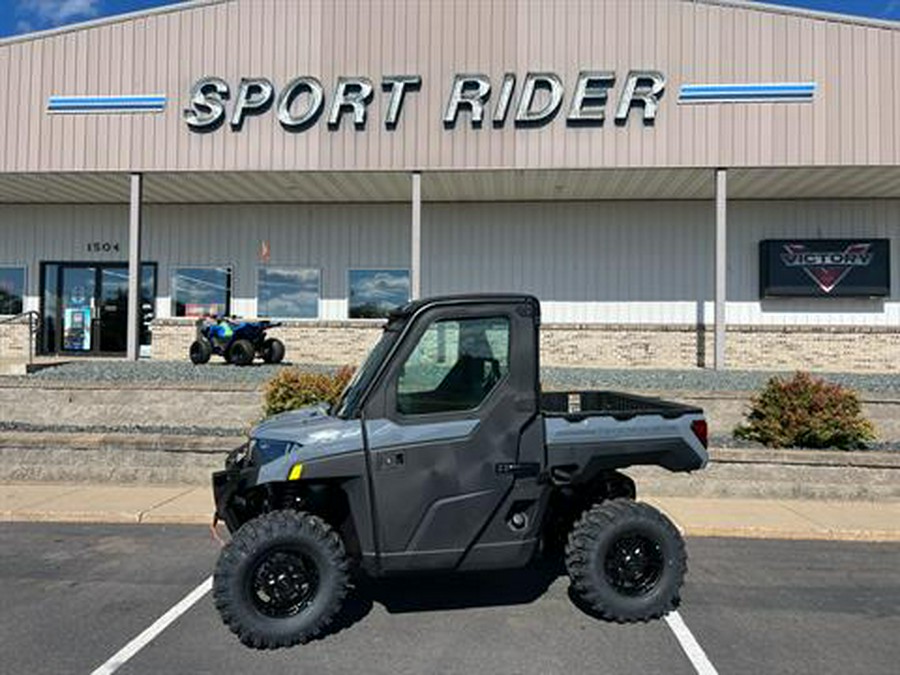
point(56, 12)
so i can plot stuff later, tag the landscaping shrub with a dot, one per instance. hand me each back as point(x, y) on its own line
point(292, 388)
point(806, 412)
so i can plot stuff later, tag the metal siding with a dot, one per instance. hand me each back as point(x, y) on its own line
point(611, 262)
point(852, 121)
point(644, 263)
point(331, 238)
point(327, 237)
point(605, 262)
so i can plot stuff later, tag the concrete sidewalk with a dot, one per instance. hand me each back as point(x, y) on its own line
point(771, 519)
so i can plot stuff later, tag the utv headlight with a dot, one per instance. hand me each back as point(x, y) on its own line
point(263, 451)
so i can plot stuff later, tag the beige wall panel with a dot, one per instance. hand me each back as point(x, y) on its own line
point(612, 262)
point(330, 238)
point(647, 263)
point(853, 119)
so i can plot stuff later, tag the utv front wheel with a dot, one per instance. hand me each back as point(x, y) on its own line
point(626, 561)
point(281, 579)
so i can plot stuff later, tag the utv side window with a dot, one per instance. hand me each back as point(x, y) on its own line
point(455, 365)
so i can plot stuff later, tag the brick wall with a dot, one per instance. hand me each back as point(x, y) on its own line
point(14, 340)
point(816, 349)
point(604, 346)
point(328, 342)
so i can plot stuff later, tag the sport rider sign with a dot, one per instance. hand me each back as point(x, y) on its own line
point(824, 267)
point(532, 101)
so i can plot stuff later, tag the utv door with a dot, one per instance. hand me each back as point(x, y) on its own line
point(443, 430)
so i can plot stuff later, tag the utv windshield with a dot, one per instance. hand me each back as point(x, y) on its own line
point(350, 398)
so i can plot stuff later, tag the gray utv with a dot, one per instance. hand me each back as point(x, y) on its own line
point(443, 454)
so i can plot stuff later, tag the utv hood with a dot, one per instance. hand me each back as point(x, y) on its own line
point(305, 435)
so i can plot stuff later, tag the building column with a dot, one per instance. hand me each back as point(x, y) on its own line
point(134, 268)
point(721, 264)
point(415, 263)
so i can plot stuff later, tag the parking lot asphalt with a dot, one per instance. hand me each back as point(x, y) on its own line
point(74, 595)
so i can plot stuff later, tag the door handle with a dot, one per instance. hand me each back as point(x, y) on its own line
point(524, 470)
point(390, 461)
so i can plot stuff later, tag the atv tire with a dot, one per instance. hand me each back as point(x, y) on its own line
point(241, 353)
point(200, 351)
point(626, 561)
point(252, 584)
point(273, 350)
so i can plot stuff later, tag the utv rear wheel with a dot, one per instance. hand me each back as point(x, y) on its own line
point(273, 350)
point(626, 561)
point(200, 351)
point(281, 579)
point(241, 353)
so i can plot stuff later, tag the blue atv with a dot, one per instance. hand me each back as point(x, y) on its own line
point(238, 341)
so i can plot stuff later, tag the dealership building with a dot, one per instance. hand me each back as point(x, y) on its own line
point(682, 183)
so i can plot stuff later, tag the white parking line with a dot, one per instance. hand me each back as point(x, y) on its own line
point(121, 657)
point(689, 644)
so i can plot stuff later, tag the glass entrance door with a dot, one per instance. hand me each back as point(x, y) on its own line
point(113, 310)
point(78, 290)
point(85, 307)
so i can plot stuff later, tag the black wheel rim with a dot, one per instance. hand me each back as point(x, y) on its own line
point(283, 583)
point(634, 564)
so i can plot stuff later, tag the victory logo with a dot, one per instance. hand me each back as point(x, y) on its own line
point(827, 268)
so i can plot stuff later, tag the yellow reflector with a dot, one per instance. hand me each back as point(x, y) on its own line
point(296, 470)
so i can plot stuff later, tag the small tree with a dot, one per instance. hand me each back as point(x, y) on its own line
point(292, 388)
point(806, 412)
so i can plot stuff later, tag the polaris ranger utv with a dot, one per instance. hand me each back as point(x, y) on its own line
point(443, 454)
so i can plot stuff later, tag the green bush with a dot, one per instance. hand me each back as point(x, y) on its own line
point(291, 388)
point(806, 412)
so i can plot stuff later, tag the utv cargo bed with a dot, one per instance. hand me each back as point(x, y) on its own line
point(580, 404)
point(590, 431)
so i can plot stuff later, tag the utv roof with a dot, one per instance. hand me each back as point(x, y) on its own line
point(413, 307)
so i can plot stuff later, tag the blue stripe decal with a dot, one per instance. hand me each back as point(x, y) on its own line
point(82, 104)
point(786, 91)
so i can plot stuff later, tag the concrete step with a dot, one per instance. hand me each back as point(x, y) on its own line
point(189, 460)
point(782, 474)
point(238, 405)
point(122, 405)
point(14, 367)
point(112, 458)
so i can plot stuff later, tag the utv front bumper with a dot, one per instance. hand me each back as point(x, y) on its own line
point(230, 488)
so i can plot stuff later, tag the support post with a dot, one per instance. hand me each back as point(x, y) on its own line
point(721, 264)
point(416, 238)
point(134, 268)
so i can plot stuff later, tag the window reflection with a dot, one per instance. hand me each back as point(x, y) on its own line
point(374, 293)
point(12, 289)
point(201, 291)
point(287, 293)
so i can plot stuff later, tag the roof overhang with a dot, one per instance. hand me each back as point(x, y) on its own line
point(453, 186)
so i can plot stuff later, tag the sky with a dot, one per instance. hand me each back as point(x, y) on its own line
point(25, 16)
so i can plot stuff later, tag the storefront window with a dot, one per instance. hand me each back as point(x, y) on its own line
point(12, 289)
point(286, 293)
point(201, 291)
point(374, 293)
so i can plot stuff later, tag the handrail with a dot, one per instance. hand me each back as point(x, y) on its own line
point(34, 327)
